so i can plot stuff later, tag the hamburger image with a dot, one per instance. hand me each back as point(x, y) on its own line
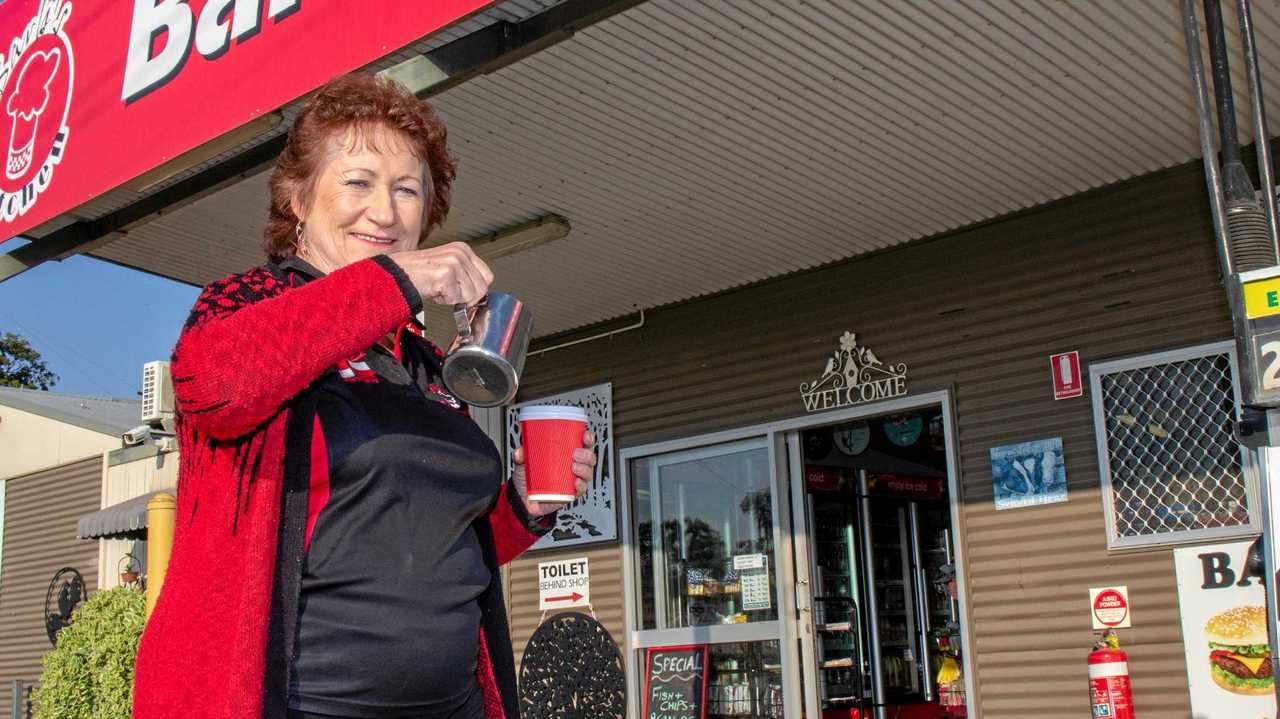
point(1239, 653)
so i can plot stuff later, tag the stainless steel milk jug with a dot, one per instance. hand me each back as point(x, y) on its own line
point(485, 360)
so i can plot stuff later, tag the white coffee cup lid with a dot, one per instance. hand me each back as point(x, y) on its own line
point(552, 411)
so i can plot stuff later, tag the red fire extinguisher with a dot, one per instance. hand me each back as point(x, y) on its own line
point(1109, 692)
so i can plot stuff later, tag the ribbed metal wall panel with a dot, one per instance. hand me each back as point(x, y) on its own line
point(41, 511)
point(605, 563)
point(1122, 271)
point(697, 146)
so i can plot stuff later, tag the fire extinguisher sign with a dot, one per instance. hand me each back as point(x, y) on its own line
point(1067, 382)
point(1110, 607)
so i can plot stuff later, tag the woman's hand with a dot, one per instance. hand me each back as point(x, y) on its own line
point(450, 274)
point(584, 468)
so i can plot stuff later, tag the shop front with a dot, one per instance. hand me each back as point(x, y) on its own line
point(851, 508)
point(854, 488)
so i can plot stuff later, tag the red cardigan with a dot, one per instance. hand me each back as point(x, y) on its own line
point(218, 642)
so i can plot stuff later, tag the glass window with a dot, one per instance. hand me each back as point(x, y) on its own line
point(710, 560)
point(745, 681)
point(1172, 468)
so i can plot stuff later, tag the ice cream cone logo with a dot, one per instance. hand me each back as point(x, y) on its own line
point(25, 106)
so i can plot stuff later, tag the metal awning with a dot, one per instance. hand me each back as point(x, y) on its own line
point(700, 146)
point(124, 520)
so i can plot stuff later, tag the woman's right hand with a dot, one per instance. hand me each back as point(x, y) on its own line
point(449, 274)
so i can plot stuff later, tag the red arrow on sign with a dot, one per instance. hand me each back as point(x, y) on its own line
point(566, 598)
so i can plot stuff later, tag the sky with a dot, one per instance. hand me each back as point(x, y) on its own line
point(94, 322)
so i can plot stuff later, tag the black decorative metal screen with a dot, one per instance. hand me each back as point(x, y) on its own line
point(572, 669)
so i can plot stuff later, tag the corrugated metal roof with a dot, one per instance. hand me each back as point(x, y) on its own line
point(698, 146)
point(101, 414)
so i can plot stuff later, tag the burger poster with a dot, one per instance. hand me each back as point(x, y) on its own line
point(1224, 633)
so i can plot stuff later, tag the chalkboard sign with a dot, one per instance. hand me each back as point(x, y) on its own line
point(675, 683)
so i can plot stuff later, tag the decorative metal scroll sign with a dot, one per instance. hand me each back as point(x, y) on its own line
point(853, 375)
point(66, 592)
point(572, 669)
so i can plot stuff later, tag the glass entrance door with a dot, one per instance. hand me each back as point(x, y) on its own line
point(707, 533)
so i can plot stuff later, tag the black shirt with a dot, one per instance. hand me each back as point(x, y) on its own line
point(388, 618)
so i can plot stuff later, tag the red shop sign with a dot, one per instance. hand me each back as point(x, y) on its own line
point(901, 485)
point(96, 93)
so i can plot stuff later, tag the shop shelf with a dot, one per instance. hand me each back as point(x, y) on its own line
point(836, 627)
point(843, 663)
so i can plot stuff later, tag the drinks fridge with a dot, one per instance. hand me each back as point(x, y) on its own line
point(885, 620)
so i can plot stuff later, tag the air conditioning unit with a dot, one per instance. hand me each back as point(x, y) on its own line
point(157, 395)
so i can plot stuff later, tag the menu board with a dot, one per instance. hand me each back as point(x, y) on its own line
point(675, 682)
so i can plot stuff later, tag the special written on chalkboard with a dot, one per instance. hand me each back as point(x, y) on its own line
point(676, 682)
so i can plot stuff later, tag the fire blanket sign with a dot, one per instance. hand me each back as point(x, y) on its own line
point(564, 583)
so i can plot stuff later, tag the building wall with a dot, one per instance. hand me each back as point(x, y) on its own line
point(126, 480)
point(1121, 271)
point(41, 511)
point(44, 442)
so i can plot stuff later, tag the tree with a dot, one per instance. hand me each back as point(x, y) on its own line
point(21, 365)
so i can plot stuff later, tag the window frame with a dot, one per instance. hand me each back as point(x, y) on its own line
point(1248, 461)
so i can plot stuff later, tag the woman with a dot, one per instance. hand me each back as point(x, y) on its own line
point(340, 519)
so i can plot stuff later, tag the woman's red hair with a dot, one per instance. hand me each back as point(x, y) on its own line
point(355, 101)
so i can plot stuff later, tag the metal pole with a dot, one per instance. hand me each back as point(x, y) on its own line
point(872, 603)
point(1212, 177)
point(162, 511)
point(15, 687)
point(1261, 138)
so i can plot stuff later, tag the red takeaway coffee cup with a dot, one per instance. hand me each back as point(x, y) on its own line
point(549, 434)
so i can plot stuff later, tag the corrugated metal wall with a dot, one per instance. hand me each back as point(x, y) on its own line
point(41, 510)
point(125, 481)
point(605, 563)
point(1121, 271)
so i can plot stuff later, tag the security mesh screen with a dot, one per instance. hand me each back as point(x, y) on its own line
point(1175, 463)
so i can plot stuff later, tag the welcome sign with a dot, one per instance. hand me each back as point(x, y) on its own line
point(853, 375)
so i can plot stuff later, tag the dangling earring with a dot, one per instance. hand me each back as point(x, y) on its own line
point(300, 245)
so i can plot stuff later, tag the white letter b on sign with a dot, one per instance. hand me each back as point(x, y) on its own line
point(141, 71)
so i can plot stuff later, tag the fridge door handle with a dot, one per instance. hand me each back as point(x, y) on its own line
point(926, 663)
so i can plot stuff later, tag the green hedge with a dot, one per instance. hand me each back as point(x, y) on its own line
point(89, 674)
